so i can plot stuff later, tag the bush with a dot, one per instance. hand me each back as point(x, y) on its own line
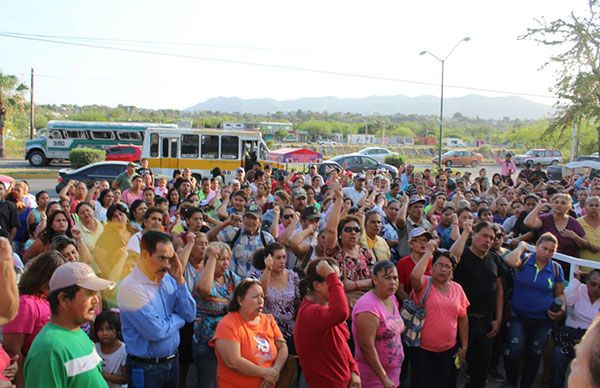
point(485, 150)
point(83, 156)
point(395, 161)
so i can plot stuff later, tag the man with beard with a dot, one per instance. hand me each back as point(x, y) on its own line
point(62, 355)
point(155, 303)
point(477, 273)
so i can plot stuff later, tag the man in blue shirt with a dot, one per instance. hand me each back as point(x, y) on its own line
point(155, 303)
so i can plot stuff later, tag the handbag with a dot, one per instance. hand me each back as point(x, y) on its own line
point(413, 315)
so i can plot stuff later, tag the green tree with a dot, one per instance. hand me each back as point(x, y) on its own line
point(578, 78)
point(11, 101)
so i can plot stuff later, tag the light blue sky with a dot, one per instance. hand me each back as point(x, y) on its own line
point(377, 38)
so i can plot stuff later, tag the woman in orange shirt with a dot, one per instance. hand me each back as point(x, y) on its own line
point(251, 350)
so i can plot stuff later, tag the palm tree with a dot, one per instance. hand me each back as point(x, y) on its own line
point(11, 99)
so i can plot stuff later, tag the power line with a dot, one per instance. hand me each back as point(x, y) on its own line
point(266, 65)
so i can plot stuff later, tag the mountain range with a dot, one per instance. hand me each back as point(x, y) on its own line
point(471, 105)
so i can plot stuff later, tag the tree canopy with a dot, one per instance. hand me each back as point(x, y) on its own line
point(578, 77)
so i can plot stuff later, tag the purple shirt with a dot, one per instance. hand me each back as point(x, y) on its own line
point(507, 168)
point(566, 245)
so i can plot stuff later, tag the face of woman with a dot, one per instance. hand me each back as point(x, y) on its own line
point(580, 376)
point(592, 208)
point(222, 263)
point(195, 222)
point(373, 225)
point(70, 253)
point(350, 234)
point(174, 196)
point(43, 201)
point(442, 269)
point(545, 250)
point(60, 223)
point(464, 216)
point(85, 213)
point(510, 195)
point(253, 302)
point(119, 217)
point(498, 240)
point(279, 260)
point(286, 217)
point(386, 282)
point(560, 205)
point(108, 199)
point(140, 211)
point(593, 286)
point(517, 208)
point(116, 195)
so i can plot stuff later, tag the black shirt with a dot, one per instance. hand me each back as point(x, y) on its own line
point(477, 277)
point(8, 216)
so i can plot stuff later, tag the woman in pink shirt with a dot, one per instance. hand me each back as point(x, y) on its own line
point(377, 327)
point(446, 313)
point(34, 310)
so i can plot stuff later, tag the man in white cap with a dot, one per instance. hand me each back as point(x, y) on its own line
point(62, 355)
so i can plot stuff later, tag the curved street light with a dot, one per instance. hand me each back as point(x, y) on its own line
point(466, 39)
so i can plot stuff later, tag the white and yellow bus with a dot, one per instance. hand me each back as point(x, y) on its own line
point(203, 149)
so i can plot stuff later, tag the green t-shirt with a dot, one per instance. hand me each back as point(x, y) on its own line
point(63, 358)
point(124, 181)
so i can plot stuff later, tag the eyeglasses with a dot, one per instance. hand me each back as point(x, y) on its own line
point(443, 266)
point(350, 229)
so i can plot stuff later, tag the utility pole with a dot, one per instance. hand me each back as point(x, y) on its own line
point(573, 142)
point(31, 110)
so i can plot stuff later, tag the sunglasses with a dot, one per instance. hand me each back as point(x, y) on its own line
point(350, 229)
point(499, 236)
point(288, 216)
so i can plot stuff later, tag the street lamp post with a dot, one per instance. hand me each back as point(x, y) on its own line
point(443, 61)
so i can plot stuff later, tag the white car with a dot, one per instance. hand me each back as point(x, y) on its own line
point(377, 153)
point(327, 142)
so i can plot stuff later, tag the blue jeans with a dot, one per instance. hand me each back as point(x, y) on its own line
point(205, 360)
point(142, 375)
point(524, 345)
point(562, 359)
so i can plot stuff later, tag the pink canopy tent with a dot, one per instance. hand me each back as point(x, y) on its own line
point(295, 155)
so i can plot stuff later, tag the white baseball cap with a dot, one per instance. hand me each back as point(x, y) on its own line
point(80, 274)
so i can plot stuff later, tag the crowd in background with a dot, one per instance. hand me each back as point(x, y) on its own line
point(262, 278)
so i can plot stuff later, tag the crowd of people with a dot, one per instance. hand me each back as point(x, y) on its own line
point(266, 278)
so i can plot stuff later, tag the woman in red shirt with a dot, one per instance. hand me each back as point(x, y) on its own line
point(321, 334)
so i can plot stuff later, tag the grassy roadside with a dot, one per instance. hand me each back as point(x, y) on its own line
point(29, 173)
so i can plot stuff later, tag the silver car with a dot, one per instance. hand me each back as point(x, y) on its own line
point(544, 156)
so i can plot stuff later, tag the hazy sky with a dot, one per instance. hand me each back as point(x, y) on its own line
point(375, 38)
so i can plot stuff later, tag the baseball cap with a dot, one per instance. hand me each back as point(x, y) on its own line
point(78, 274)
point(310, 212)
point(298, 192)
point(416, 199)
point(418, 232)
point(360, 176)
point(239, 169)
point(253, 210)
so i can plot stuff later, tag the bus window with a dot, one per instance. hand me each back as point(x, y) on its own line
point(102, 135)
point(174, 148)
point(154, 145)
point(165, 147)
point(210, 147)
point(56, 135)
point(129, 136)
point(75, 134)
point(229, 147)
point(190, 147)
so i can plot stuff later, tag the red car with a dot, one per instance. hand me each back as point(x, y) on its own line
point(124, 153)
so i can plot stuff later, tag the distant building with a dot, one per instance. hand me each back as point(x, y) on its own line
point(361, 139)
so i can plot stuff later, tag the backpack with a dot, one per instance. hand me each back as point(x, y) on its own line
point(237, 235)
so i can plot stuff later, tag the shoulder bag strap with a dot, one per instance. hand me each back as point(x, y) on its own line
point(427, 288)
